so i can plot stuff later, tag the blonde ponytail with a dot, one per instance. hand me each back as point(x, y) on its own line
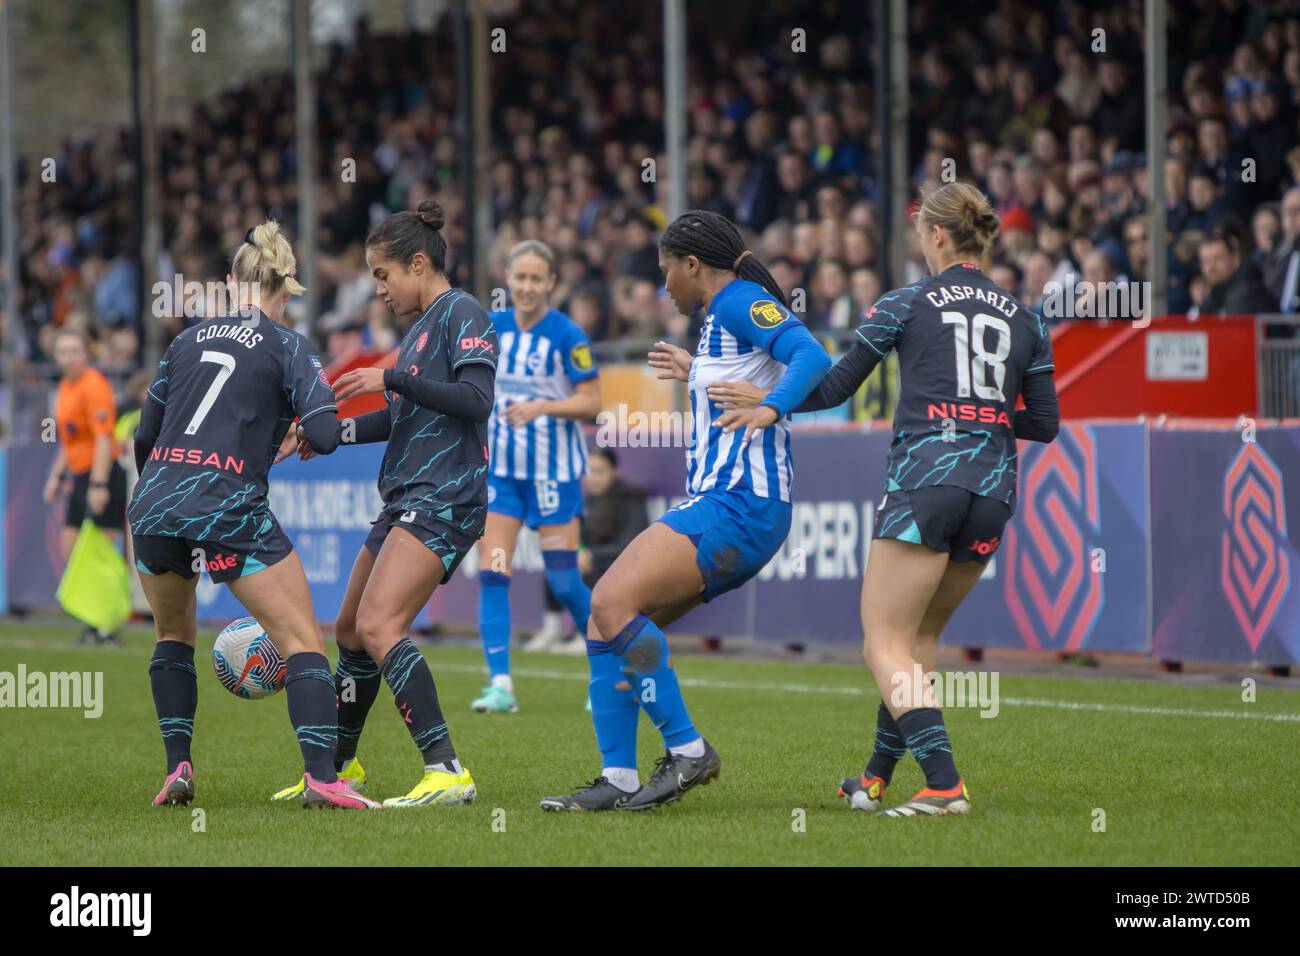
point(266, 259)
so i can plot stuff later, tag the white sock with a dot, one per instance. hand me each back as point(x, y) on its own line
point(553, 621)
point(625, 778)
point(451, 766)
point(694, 749)
point(503, 680)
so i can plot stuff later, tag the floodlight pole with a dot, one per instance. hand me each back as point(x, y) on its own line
point(675, 104)
point(9, 225)
point(1156, 90)
point(304, 95)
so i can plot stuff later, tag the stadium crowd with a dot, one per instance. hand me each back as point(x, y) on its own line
point(1040, 104)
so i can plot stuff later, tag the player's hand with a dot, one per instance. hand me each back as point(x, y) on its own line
point(289, 445)
point(753, 420)
point(524, 412)
point(53, 485)
point(584, 562)
point(736, 394)
point(670, 361)
point(97, 500)
point(359, 381)
point(305, 450)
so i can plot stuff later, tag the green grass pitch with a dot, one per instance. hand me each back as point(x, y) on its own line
point(1177, 784)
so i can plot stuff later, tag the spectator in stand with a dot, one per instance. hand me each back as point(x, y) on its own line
point(783, 144)
point(864, 286)
point(832, 307)
point(1281, 267)
point(1234, 285)
point(1039, 269)
point(615, 514)
point(640, 258)
point(1007, 276)
point(1264, 228)
point(1017, 236)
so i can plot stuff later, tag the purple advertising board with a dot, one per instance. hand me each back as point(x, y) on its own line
point(1072, 575)
point(1172, 541)
point(33, 560)
point(1222, 502)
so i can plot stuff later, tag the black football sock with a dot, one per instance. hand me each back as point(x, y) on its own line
point(889, 749)
point(927, 738)
point(356, 683)
point(416, 697)
point(313, 712)
point(175, 697)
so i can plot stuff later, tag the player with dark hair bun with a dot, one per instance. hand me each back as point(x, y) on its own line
point(739, 473)
point(433, 481)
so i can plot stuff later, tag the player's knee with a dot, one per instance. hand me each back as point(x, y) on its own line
point(874, 651)
point(374, 632)
point(868, 655)
point(345, 632)
point(606, 609)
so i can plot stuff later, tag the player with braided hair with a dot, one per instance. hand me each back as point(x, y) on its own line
point(738, 475)
point(967, 349)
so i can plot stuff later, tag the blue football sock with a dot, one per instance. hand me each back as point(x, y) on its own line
point(566, 583)
point(614, 709)
point(494, 620)
point(313, 711)
point(643, 652)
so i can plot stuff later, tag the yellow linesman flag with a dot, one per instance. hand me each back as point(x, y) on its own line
point(96, 588)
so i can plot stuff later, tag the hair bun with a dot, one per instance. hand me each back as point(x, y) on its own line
point(431, 213)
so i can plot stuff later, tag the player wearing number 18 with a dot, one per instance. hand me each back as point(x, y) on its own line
point(219, 406)
point(966, 350)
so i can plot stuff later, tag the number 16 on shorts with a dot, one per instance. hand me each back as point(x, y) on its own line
point(548, 495)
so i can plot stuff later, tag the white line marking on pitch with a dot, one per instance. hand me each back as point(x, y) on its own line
point(709, 684)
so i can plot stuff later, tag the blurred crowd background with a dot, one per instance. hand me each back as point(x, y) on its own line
point(1021, 95)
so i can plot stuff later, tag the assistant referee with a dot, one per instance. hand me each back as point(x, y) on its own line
point(86, 462)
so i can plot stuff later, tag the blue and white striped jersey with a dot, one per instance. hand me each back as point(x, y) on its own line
point(544, 362)
point(735, 344)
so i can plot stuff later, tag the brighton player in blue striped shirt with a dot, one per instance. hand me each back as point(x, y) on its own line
point(738, 475)
point(546, 384)
point(966, 350)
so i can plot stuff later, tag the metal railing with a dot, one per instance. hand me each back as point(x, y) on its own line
point(1279, 366)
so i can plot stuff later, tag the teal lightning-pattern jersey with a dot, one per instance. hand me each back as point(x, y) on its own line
point(435, 465)
point(229, 388)
point(964, 348)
